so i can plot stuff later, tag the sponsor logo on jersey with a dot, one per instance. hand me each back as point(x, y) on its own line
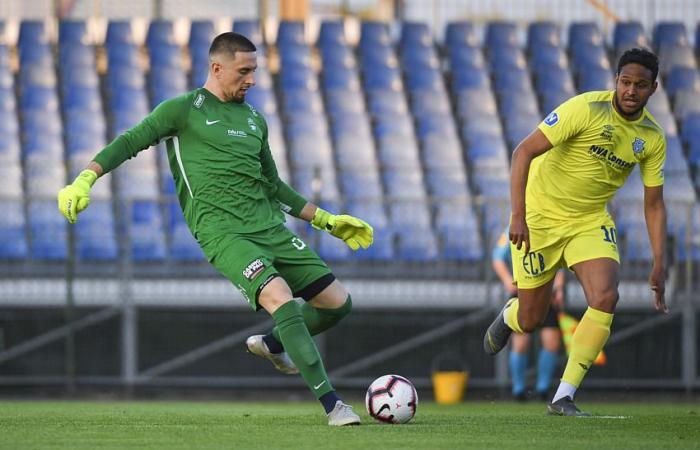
point(551, 119)
point(638, 145)
point(237, 133)
point(607, 133)
point(253, 269)
point(610, 157)
point(212, 122)
point(198, 101)
point(251, 124)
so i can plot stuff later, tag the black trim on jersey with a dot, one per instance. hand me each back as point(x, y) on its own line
point(315, 287)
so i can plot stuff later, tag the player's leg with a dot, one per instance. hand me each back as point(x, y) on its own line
point(517, 361)
point(592, 254)
point(277, 299)
point(520, 315)
point(548, 357)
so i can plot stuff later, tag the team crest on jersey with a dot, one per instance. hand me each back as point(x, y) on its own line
point(638, 145)
point(198, 101)
point(551, 119)
point(251, 124)
point(253, 111)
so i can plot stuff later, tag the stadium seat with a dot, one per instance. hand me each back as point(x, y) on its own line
point(290, 33)
point(122, 55)
point(669, 34)
point(32, 33)
point(47, 230)
point(146, 231)
point(686, 102)
point(465, 57)
point(201, 33)
point(628, 35)
point(415, 35)
point(448, 184)
point(13, 240)
point(595, 80)
point(404, 185)
point(473, 78)
point(75, 55)
point(501, 34)
point(374, 34)
point(584, 34)
point(460, 34)
point(331, 34)
point(71, 32)
point(542, 34)
point(251, 29)
point(95, 233)
point(676, 57)
point(682, 79)
point(118, 34)
point(160, 32)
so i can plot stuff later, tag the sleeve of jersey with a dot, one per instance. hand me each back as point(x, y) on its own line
point(652, 167)
point(161, 122)
point(290, 200)
point(566, 121)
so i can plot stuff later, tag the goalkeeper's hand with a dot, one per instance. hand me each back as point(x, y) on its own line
point(354, 232)
point(75, 197)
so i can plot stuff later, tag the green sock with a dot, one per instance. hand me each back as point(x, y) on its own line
point(318, 320)
point(298, 344)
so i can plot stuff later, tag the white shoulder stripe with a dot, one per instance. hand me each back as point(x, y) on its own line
point(176, 146)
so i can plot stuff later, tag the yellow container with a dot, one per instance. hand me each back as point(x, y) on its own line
point(449, 387)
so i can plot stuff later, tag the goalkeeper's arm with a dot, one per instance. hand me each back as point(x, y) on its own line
point(75, 197)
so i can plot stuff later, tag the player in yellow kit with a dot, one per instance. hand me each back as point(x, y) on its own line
point(562, 177)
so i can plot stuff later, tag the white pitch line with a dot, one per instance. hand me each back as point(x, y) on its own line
point(607, 417)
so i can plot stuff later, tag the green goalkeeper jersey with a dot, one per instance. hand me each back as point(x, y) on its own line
point(225, 177)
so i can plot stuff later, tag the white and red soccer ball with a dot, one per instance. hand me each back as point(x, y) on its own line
point(391, 399)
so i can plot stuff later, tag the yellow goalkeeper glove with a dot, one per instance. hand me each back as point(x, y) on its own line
point(354, 232)
point(75, 197)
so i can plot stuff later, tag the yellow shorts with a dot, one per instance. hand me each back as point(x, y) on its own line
point(564, 246)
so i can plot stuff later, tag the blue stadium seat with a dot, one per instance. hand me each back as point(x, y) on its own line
point(381, 102)
point(95, 233)
point(13, 238)
point(420, 58)
point(460, 34)
point(501, 34)
point(584, 34)
point(290, 32)
point(686, 102)
point(436, 125)
point(82, 100)
point(340, 79)
point(504, 58)
point(32, 33)
point(415, 35)
point(398, 152)
point(514, 79)
point(473, 102)
point(399, 125)
point(374, 34)
point(331, 34)
point(251, 29)
point(404, 185)
point(79, 77)
point(182, 245)
point(305, 180)
point(118, 33)
point(336, 57)
point(690, 129)
point(669, 34)
point(517, 102)
point(263, 100)
point(447, 184)
point(471, 78)
point(359, 184)
point(424, 80)
point(298, 78)
point(146, 231)
point(427, 103)
point(458, 231)
point(442, 149)
point(11, 173)
point(37, 55)
point(682, 79)
point(676, 57)
point(165, 55)
point(589, 57)
point(595, 80)
point(550, 100)
point(47, 230)
point(344, 102)
point(160, 32)
point(378, 58)
point(126, 77)
point(71, 32)
point(628, 35)
point(386, 79)
point(76, 55)
point(201, 33)
point(542, 34)
point(121, 55)
point(465, 57)
point(543, 59)
point(558, 80)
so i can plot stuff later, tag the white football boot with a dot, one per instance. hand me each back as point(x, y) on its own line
point(281, 361)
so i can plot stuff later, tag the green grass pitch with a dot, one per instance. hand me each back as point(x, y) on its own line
point(298, 425)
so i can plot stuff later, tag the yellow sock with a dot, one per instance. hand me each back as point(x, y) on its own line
point(511, 315)
point(588, 340)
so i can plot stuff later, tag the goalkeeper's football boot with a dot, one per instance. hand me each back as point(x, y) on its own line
point(497, 334)
point(342, 415)
point(281, 361)
point(565, 407)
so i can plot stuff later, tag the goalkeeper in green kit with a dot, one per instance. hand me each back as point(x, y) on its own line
point(232, 199)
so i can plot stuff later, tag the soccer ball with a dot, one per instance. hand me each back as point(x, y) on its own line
point(391, 399)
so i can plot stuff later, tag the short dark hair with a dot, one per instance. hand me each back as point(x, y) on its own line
point(642, 57)
point(231, 43)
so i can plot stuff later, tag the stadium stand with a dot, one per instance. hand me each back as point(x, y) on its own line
point(410, 132)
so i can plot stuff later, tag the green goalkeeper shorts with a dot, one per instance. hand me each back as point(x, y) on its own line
point(251, 260)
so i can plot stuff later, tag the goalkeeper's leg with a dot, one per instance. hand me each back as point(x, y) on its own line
point(277, 299)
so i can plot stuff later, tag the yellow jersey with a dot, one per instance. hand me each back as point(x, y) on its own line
point(594, 151)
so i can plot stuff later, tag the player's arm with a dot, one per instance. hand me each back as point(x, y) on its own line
point(655, 216)
point(162, 122)
point(354, 232)
point(500, 266)
point(530, 148)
